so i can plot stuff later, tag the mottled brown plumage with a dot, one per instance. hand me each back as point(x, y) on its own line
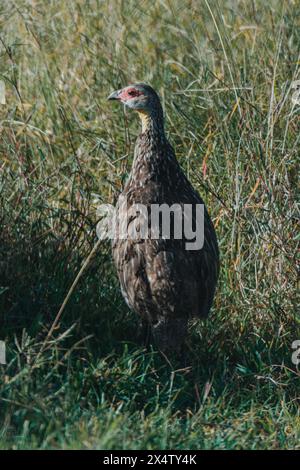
point(162, 281)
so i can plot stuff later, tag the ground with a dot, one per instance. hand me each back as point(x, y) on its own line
point(225, 72)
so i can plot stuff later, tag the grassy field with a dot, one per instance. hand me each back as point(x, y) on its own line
point(225, 73)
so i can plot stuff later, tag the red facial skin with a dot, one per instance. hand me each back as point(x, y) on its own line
point(129, 93)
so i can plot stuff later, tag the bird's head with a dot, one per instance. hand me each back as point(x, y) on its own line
point(142, 98)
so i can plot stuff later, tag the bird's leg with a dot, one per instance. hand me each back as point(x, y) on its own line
point(184, 355)
point(144, 333)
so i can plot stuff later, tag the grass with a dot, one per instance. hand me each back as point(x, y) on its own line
point(224, 72)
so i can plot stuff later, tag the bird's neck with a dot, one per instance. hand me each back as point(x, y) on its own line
point(153, 124)
point(150, 148)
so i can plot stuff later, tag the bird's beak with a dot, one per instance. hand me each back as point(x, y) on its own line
point(114, 95)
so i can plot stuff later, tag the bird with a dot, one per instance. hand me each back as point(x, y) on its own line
point(161, 280)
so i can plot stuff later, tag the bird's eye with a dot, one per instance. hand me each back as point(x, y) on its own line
point(131, 93)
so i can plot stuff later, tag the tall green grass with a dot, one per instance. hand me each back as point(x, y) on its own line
point(224, 72)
